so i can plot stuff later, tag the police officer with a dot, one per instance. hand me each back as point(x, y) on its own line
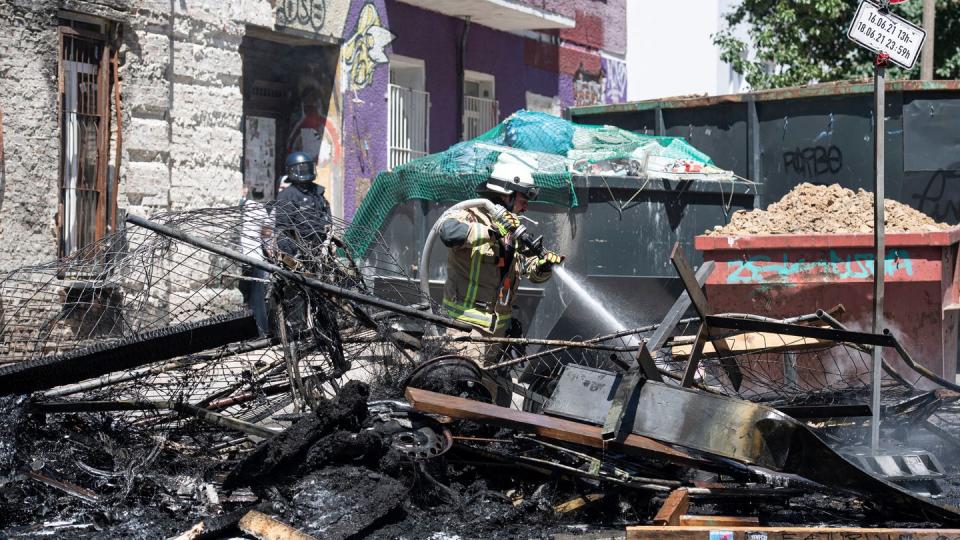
point(302, 214)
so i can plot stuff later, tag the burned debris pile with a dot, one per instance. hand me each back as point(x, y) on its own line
point(209, 374)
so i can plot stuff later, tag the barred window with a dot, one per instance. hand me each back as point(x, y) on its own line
point(87, 205)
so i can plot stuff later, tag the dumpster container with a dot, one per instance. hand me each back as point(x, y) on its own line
point(786, 275)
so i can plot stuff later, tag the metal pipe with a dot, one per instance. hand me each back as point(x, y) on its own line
point(531, 341)
point(879, 261)
point(922, 370)
point(597, 339)
point(831, 321)
point(293, 276)
point(926, 54)
point(117, 378)
point(148, 405)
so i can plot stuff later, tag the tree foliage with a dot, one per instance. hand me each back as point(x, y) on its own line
point(797, 42)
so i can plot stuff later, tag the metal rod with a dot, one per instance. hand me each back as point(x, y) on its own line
point(117, 378)
point(816, 332)
point(879, 261)
point(834, 323)
point(531, 341)
point(926, 54)
point(597, 339)
point(922, 370)
point(295, 277)
point(218, 419)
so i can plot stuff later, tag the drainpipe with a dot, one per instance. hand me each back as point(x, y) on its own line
point(461, 62)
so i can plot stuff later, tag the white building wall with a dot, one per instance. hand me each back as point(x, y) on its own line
point(670, 50)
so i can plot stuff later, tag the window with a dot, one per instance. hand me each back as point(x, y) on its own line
point(480, 110)
point(87, 207)
point(408, 123)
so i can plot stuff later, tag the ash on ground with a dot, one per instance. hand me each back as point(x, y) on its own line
point(333, 474)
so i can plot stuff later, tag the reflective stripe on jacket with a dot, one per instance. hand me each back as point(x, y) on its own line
point(474, 292)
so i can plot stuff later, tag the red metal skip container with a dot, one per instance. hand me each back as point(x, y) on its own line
point(786, 275)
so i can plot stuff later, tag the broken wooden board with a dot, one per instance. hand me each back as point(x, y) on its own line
point(575, 504)
point(675, 505)
point(750, 342)
point(264, 527)
point(719, 521)
point(546, 426)
point(785, 533)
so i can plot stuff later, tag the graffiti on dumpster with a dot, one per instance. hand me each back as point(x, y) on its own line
point(813, 161)
point(934, 200)
point(763, 269)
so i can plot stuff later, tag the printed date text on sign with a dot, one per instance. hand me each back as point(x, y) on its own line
point(886, 33)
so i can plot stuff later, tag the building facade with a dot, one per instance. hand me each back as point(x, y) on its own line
point(670, 50)
point(113, 106)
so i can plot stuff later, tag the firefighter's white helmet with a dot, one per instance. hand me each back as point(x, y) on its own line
point(510, 175)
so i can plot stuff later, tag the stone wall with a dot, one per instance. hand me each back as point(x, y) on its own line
point(28, 97)
point(181, 71)
point(183, 107)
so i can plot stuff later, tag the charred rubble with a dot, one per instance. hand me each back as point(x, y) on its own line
point(143, 399)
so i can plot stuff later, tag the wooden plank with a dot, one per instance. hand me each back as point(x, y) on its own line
point(690, 283)
point(704, 310)
point(669, 323)
point(693, 364)
point(577, 503)
point(103, 140)
point(118, 109)
point(719, 521)
point(264, 527)
point(753, 342)
point(546, 426)
point(675, 505)
point(787, 533)
point(625, 396)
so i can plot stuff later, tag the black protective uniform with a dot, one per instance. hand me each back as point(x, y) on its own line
point(302, 216)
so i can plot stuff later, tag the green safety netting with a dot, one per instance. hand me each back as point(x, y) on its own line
point(555, 148)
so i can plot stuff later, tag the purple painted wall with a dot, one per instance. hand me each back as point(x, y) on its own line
point(364, 120)
point(488, 51)
point(519, 64)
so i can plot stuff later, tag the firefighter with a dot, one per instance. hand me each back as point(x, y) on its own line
point(485, 262)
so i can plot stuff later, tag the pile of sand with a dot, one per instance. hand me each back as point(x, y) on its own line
point(828, 210)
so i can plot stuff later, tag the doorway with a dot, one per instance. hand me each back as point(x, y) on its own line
point(291, 102)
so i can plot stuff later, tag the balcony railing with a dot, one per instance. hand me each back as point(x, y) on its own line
point(408, 125)
point(479, 116)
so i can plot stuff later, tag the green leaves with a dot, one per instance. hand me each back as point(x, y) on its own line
point(798, 42)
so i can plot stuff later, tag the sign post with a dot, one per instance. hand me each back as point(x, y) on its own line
point(894, 40)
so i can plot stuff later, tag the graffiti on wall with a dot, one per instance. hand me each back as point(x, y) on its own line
point(366, 48)
point(315, 127)
point(936, 200)
point(302, 14)
point(813, 161)
point(587, 87)
point(614, 80)
point(763, 269)
point(322, 17)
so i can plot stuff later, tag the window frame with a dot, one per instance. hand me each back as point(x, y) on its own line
point(105, 212)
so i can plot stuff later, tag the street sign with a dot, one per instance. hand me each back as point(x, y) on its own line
point(885, 33)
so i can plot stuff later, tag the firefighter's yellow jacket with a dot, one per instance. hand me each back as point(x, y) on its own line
point(483, 271)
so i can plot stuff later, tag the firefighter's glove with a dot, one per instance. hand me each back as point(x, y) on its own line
point(547, 262)
point(506, 223)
